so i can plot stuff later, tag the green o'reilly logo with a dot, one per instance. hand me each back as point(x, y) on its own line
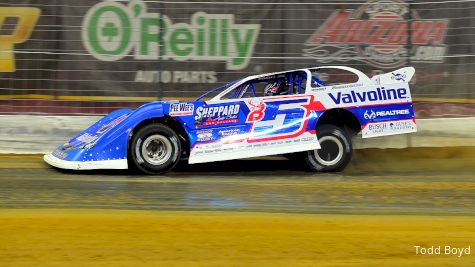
point(111, 31)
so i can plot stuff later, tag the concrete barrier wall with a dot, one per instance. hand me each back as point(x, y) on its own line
point(41, 134)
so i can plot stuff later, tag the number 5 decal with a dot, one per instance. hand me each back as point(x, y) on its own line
point(290, 119)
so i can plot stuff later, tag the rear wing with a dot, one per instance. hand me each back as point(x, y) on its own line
point(402, 75)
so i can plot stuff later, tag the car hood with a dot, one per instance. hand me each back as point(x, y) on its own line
point(101, 127)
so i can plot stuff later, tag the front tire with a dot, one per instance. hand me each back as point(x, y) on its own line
point(335, 152)
point(155, 149)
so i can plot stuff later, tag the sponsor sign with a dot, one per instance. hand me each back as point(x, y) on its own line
point(204, 135)
point(230, 132)
point(26, 18)
point(378, 33)
point(112, 31)
point(401, 125)
point(377, 95)
point(60, 154)
point(370, 114)
point(256, 110)
point(288, 121)
point(121, 48)
point(389, 128)
point(111, 124)
point(86, 138)
point(401, 77)
point(217, 114)
point(181, 109)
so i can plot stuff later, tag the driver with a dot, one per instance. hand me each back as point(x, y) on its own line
point(275, 88)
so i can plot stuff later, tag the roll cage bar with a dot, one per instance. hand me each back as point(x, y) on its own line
point(216, 89)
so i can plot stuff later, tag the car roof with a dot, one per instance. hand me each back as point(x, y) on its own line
point(361, 76)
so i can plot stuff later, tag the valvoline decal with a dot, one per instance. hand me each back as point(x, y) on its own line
point(379, 94)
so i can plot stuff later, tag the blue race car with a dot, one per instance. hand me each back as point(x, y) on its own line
point(291, 112)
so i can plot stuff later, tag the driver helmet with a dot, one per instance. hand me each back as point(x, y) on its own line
point(274, 88)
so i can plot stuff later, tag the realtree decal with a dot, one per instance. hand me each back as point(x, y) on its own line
point(111, 31)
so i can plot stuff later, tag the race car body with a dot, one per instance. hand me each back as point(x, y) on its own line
point(275, 113)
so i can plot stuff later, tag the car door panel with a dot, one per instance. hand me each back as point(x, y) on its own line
point(262, 126)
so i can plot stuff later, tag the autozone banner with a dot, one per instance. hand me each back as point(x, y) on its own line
point(165, 49)
point(378, 34)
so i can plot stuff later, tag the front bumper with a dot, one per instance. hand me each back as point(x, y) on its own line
point(85, 165)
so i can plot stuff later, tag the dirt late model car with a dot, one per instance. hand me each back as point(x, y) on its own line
point(291, 112)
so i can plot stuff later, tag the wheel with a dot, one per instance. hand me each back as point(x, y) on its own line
point(335, 152)
point(155, 149)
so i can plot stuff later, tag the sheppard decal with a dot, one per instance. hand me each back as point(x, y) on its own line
point(377, 33)
point(111, 30)
point(380, 94)
point(369, 115)
point(181, 109)
point(111, 124)
point(214, 115)
point(389, 128)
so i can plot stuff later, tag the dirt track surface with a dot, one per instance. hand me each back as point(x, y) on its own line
point(165, 238)
point(391, 181)
point(264, 212)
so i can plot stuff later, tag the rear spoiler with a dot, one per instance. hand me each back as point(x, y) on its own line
point(402, 75)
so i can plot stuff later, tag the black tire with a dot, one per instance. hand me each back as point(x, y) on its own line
point(296, 156)
point(335, 153)
point(155, 149)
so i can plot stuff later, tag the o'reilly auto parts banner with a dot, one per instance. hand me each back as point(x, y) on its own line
point(144, 48)
point(111, 31)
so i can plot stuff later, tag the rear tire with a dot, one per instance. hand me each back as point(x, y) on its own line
point(335, 152)
point(155, 149)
